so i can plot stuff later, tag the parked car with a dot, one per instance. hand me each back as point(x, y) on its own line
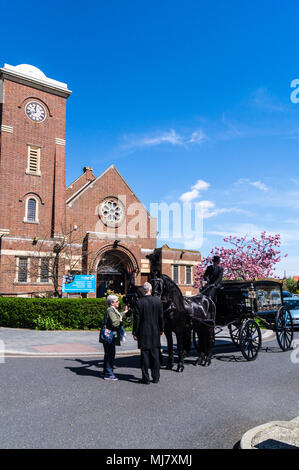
point(285, 294)
point(292, 303)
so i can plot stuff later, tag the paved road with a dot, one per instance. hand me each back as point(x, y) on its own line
point(64, 403)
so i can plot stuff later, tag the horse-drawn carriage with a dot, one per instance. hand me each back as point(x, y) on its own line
point(247, 306)
point(244, 307)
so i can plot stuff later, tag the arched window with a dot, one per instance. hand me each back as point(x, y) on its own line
point(31, 210)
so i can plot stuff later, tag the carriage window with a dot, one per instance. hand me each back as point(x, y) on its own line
point(175, 274)
point(188, 275)
point(268, 298)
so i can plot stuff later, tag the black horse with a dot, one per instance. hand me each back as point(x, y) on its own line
point(181, 316)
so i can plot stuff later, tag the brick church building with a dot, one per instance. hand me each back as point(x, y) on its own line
point(96, 225)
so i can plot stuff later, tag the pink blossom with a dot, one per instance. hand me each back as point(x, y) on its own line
point(246, 259)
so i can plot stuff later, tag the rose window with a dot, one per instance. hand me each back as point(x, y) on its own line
point(112, 212)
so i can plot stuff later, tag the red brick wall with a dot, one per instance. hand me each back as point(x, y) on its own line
point(8, 265)
point(14, 181)
point(17, 186)
point(181, 258)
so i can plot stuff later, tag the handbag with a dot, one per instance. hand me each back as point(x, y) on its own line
point(106, 336)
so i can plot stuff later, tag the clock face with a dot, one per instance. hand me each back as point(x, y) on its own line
point(35, 111)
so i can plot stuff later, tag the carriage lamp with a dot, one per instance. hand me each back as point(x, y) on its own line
point(35, 240)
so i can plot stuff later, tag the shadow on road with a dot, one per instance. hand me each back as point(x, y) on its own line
point(87, 367)
point(271, 349)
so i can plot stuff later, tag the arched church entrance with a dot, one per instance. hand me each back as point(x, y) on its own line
point(113, 272)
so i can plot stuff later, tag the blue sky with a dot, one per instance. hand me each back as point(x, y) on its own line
point(174, 92)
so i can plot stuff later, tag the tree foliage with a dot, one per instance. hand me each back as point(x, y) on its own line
point(244, 258)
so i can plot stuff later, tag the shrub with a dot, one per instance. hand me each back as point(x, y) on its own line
point(291, 285)
point(49, 314)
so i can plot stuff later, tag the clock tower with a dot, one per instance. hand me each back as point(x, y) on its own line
point(32, 161)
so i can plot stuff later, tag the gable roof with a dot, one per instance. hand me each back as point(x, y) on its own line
point(89, 184)
point(166, 247)
point(85, 178)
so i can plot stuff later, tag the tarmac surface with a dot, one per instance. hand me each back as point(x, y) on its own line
point(36, 343)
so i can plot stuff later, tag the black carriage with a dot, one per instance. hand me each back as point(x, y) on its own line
point(247, 306)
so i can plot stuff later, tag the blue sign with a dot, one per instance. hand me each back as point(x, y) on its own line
point(78, 283)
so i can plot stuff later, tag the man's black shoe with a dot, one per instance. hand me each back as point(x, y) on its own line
point(145, 382)
point(155, 381)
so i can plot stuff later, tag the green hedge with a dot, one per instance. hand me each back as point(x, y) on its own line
point(53, 314)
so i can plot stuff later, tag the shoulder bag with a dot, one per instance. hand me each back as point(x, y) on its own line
point(106, 336)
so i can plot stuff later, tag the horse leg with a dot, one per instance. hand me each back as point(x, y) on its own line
point(161, 357)
point(199, 329)
point(209, 343)
point(170, 361)
point(180, 366)
point(187, 339)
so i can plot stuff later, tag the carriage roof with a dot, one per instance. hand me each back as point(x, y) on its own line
point(246, 284)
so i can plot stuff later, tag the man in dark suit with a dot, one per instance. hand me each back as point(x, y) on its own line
point(148, 327)
point(212, 277)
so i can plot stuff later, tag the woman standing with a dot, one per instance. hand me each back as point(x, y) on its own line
point(113, 323)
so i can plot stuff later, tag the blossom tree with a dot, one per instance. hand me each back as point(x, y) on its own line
point(245, 258)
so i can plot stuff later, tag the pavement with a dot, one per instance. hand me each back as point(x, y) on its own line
point(15, 342)
point(44, 343)
point(25, 342)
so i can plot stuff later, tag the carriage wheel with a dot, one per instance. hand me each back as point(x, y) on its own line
point(234, 331)
point(284, 328)
point(250, 340)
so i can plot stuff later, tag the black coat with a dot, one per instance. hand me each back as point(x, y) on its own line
point(213, 275)
point(148, 322)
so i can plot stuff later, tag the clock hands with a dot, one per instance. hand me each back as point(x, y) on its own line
point(35, 111)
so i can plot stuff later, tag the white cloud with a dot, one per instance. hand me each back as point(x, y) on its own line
point(201, 185)
point(168, 137)
point(208, 210)
point(197, 137)
point(189, 196)
point(257, 184)
point(171, 137)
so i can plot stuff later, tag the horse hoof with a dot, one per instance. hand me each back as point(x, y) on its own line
point(202, 362)
point(169, 366)
point(195, 362)
point(180, 368)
